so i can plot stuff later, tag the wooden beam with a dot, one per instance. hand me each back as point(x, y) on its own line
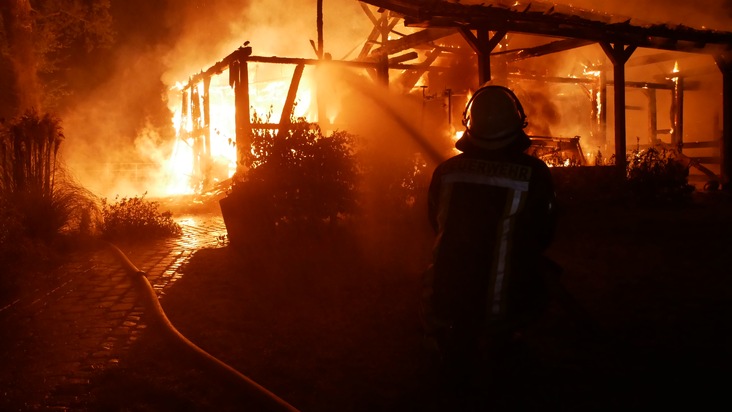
point(483, 44)
point(237, 55)
point(290, 100)
point(410, 77)
point(411, 40)
point(587, 26)
point(618, 55)
point(375, 31)
point(544, 49)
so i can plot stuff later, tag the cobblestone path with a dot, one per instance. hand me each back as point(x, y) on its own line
point(57, 336)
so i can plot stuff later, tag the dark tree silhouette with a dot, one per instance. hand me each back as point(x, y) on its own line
point(36, 39)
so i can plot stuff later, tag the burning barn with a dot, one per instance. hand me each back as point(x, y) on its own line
point(594, 85)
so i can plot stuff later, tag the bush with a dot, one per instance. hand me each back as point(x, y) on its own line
point(300, 180)
point(135, 218)
point(336, 191)
point(654, 176)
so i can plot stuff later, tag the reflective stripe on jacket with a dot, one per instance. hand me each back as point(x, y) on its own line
point(493, 216)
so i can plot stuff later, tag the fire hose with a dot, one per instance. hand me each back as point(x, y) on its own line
point(152, 307)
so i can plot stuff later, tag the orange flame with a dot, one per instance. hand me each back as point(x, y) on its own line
point(266, 96)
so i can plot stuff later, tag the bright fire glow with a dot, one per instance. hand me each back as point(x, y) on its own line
point(267, 92)
point(180, 168)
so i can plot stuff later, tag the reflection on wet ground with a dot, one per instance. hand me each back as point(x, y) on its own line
point(86, 316)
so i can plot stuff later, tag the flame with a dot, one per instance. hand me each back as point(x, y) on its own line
point(179, 169)
point(266, 96)
point(676, 67)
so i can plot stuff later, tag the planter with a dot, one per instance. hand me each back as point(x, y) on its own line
point(247, 221)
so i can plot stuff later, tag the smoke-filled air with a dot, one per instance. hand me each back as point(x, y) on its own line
point(354, 217)
point(121, 130)
point(122, 116)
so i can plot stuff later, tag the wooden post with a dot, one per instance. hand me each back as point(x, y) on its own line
point(319, 24)
point(724, 62)
point(652, 116)
point(484, 56)
point(483, 44)
point(196, 121)
point(677, 114)
point(383, 68)
point(618, 55)
point(603, 108)
point(239, 78)
point(322, 115)
point(290, 101)
point(207, 120)
point(598, 99)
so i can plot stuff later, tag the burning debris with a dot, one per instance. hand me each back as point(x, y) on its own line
point(558, 152)
point(438, 66)
point(583, 72)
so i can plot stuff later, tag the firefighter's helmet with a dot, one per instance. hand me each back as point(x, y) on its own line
point(493, 119)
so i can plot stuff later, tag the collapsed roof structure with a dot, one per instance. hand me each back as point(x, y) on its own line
point(402, 59)
point(483, 27)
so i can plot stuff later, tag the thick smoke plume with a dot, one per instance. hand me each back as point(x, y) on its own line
point(161, 44)
point(121, 112)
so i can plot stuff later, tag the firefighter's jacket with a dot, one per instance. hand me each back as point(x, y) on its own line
point(493, 214)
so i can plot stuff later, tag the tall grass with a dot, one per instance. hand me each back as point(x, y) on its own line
point(39, 199)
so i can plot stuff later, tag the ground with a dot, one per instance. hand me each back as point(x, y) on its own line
point(643, 323)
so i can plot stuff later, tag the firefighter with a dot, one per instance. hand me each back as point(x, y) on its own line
point(492, 209)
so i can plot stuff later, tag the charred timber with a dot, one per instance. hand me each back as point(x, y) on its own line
point(240, 54)
point(411, 41)
point(549, 23)
point(549, 48)
point(588, 80)
point(393, 64)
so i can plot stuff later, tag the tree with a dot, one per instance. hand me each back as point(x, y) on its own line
point(36, 39)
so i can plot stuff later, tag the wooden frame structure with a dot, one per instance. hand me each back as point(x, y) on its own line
point(483, 28)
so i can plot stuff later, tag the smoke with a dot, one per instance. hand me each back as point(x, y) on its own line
point(562, 109)
point(212, 30)
point(105, 122)
point(123, 94)
point(401, 140)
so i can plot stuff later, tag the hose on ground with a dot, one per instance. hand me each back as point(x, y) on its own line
point(153, 308)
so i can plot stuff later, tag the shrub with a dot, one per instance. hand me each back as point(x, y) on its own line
point(654, 176)
point(300, 180)
point(135, 218)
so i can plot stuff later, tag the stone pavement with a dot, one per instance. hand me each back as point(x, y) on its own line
point(80, 323)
